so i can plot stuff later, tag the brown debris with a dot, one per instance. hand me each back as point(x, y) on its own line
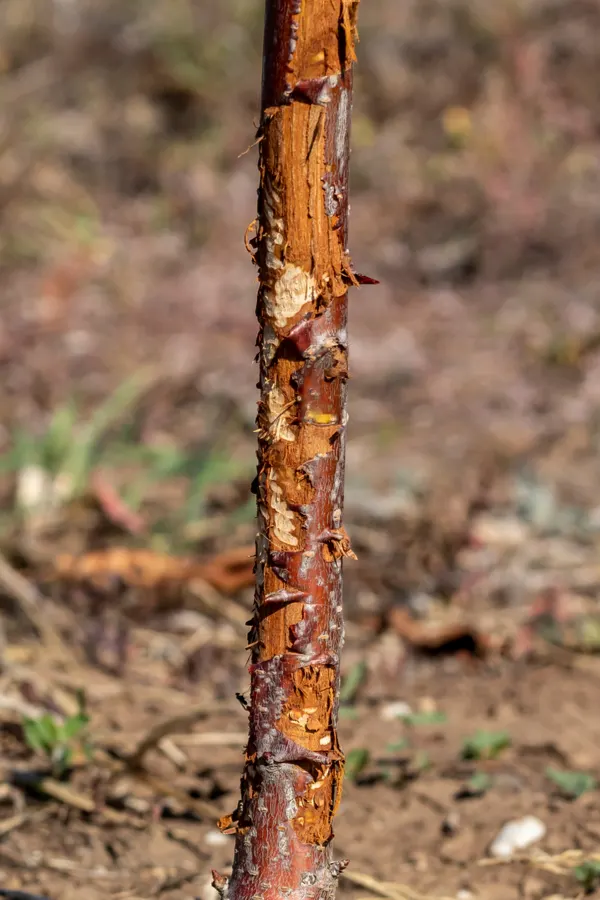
point(227, 572)
point(437, 638)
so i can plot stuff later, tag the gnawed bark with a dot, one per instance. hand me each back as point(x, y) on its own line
point(293, 774)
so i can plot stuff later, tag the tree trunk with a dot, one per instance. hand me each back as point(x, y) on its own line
point(292, 779)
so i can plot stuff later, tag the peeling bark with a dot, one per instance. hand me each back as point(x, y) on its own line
point(292, 779)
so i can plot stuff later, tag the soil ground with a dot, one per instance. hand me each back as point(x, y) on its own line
point(473, 489)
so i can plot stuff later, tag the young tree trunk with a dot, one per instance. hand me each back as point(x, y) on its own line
point(292, 780)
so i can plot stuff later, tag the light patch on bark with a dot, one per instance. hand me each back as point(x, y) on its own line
point(283, 517)
point(280, 416)
point(293, 289)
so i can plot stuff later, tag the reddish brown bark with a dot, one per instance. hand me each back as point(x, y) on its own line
point(292, 779)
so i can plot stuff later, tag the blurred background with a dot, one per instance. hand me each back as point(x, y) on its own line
point(127, 446)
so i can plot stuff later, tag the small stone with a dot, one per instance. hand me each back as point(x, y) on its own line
point(517, 835)
point(427, 705)
point(187, 621)
point(34, 487)
point(215, 838)
point(399, 709)
point(451, 823)
point(499, 532)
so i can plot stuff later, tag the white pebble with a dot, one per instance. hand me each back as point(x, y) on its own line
point(517, 835)
point(499, 532)
point(216, 838)
point(396, 710)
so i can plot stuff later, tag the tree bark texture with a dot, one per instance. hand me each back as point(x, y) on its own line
point(292, 779)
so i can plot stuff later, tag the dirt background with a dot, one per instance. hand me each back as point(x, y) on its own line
point(473, 495)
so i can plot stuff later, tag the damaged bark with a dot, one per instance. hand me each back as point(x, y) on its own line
point(292, 779)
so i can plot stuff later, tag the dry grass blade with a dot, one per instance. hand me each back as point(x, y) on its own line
point(217, 603)
point(14, 822)
point(55, 789)
point(172, 752)
point(8, 825)
point(389, 889)
point(559, 864)
point(44, 687)
point(19, 706)
point(30, 601)
point(172, 882)
point(213, 739)
point(203, 808)
point(68, 796)
point(172, 725)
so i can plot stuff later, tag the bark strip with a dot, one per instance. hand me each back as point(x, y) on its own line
point(292, 779)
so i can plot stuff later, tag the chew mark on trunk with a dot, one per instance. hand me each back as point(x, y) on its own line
point(292, 290)
point(279, 415)
point(283, 519)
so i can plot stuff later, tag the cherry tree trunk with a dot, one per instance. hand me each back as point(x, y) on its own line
point(292, 779)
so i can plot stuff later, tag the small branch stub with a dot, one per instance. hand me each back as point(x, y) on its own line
point(292, 779)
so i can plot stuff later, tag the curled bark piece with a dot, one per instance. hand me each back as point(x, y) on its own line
point(292, 779)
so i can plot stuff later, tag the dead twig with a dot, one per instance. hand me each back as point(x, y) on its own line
point(202, 808)
point(172, 882)
point(15, 822)
point(68, 796)
point(388, 889)
point(559, 864)
point(30, 602)
point(217, 603)
point(172, 725)
point(123, 765)
point(172, 752)
point(212, 739)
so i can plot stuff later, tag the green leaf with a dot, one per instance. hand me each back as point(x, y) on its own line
point(588, 874)
point(33, 736)
point(396, 746)
point(572, 784)
point(216, 467)
point(479, 783)
point(422, 761)
point(352, 682)
point(48, 728)
point(41, 734)
point(485, 744)
point(59, 437)
point(61, 760)
point(80, 460)
point(81, 701)
point(356, 761)
point(588, 633)
point(435, 717)
point(74, 725)
point(24, 452)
